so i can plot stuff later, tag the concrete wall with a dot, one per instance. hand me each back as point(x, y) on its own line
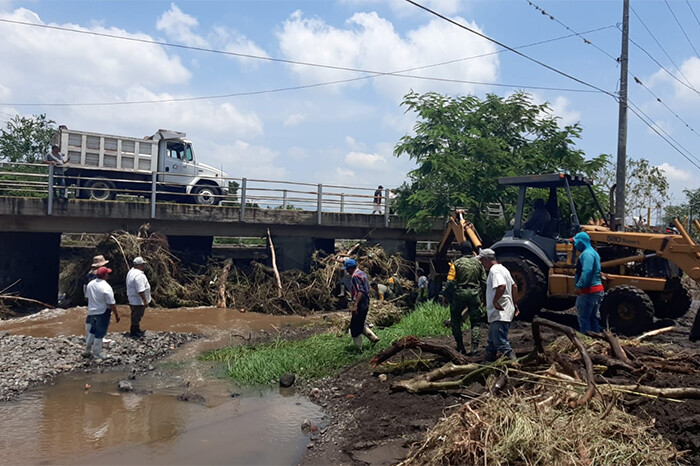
point(295, 253)
point(33, 259)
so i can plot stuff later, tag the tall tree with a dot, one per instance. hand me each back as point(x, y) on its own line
point(463, 144)
point(26, 139)
point(646, 186)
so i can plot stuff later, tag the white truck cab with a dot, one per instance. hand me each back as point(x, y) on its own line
point(101, 166)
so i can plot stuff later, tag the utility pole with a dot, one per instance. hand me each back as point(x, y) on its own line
point(622, 122)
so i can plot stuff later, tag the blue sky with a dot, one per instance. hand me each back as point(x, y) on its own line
point(344, 133)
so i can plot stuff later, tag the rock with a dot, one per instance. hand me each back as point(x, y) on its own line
point(315, 393)
point(306, 426)
point(310, 445)
point(151, 367)
point(125, 386)
point(189, 396)
point(382, 377)
point(287, 380)
point(235, 395)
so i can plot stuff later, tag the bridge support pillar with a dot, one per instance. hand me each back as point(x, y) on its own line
point(295, 252)
point(406, 248)
point(191, 249)
point(32, 260)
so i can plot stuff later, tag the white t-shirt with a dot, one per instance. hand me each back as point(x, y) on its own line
point(499, 275)
point(137, 282)
point(99, 295)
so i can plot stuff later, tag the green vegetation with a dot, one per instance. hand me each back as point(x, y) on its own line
point(26, 139)
point(323, 354)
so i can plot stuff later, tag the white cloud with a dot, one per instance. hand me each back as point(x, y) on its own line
point(673, 173)
point(178, 26)
point(560, 108)
point(357, 46)
point(298, 153)
point(682, 83)
point(353, 144)
point(294, 119)
point(366, 161)
point(242, 159)
point(402, 8)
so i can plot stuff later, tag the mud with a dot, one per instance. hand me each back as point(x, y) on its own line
point(370, 425)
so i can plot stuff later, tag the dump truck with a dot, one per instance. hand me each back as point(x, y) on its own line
point(102, 166)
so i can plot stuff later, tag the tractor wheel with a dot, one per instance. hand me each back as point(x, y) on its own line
point(531, 281)
point(674, 301)
point(627, 310)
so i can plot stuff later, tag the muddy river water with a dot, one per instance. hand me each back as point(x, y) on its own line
point(67, 423)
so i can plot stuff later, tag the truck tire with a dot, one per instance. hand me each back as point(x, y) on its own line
point(531, 281)
point(206, 195)
point(627, 310)
point(674, 301)
point(100, 190)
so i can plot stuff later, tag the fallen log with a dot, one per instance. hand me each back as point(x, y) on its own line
point(26, 300)
point(675, 392)
point(538, 322)
point(413, 342)
point(221, 302)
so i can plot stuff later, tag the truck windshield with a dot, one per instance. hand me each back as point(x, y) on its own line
point(188, 153)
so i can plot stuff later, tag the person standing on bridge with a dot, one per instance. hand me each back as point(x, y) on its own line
point(377, 202)
point(101, 304)
point(138, 290)
point(58, 160)
point(360, 306)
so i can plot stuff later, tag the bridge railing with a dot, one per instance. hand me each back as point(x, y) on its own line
point(46, 181)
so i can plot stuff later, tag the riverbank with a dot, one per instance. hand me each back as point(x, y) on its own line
point(27, 361)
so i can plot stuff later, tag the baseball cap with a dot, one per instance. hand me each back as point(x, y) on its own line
point(349, 263)
point(487, 254)
point(102, 271)
point(139, 261)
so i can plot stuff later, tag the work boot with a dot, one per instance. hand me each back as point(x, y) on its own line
point(511, 355)
point(136, 332)
point(476, 339)
point(489, 357)
point(89, 339)
point(97, 350)
point(358, 341)
point(370, 334)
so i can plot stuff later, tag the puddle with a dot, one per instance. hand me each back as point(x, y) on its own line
point(69, 424)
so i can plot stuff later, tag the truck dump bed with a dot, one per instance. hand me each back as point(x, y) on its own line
point(93, 150)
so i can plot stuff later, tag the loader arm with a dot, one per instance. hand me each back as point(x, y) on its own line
point(458, 229)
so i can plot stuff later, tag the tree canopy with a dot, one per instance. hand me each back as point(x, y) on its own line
point(463, 144)
point(26, 139)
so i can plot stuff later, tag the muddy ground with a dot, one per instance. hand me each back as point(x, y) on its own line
point(370, 425)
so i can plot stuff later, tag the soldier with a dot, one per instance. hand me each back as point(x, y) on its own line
point(466, 284)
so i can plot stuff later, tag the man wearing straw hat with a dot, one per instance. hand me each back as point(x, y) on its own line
point(97, 262)
point(101, 305)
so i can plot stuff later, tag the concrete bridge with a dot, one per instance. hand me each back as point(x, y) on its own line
point(31, 228)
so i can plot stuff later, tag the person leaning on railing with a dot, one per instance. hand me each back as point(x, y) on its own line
point(58, 160)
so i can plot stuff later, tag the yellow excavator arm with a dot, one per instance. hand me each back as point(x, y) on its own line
point(458, 229)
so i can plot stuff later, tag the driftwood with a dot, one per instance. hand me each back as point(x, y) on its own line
point(221, 302)
point(26, 300)
point(652, 333)
point(538, 322)
point(411, 342)
point(675, 392)
point(274, 265)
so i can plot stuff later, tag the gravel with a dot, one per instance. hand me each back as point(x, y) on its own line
point(28, 361)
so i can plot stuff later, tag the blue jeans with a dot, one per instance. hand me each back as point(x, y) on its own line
point(498, 340)
point(99, 323)
point(587, 306)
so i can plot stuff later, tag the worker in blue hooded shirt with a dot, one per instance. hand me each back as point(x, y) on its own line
point(589, 286)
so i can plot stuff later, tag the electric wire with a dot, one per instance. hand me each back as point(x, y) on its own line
point(371, 74)
point(693, 12)
point(682, 28)
point(687, 83)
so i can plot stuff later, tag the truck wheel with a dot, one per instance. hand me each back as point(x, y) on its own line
point(100, 190)
point(627, 310)
point(531, 281)
point(674, 301)
point(206, 195)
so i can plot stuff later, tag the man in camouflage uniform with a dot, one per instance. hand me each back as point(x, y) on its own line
point(466, 284)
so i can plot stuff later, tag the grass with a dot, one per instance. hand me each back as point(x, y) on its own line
point(323, 354)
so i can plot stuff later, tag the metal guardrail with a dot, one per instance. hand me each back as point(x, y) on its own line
point(43, 180)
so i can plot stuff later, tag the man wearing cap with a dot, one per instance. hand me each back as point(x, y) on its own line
point(101, 304)
point(138, 290)
point(97, 262)
point(466, 283)
point(378, 200)
point(360, 306)
point(500, 305)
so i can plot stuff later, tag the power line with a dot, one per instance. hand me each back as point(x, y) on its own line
point(689, 85)
point(308, 86)
point(693, 11)
point(681, 26)
point(501, 44)
point(658, 99)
